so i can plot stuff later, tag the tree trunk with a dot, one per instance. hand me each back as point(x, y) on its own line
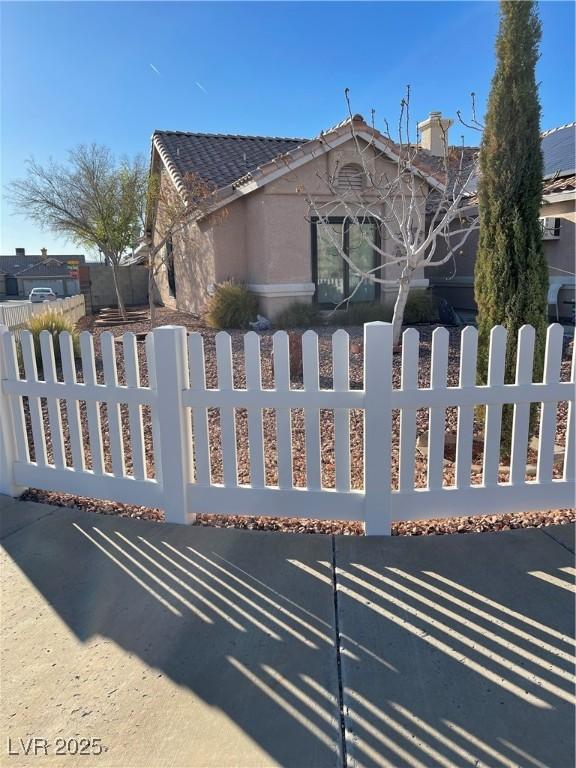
point(119, 299)
point(400, 305)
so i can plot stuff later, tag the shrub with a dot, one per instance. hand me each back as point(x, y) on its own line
point(298, 315)
point(358, 314)
point(421, 307)
point(55, 324)
point(231, 306)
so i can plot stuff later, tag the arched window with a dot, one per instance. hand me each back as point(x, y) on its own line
point(351, 178)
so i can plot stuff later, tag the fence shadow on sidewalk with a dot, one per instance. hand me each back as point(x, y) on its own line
point(435, 669)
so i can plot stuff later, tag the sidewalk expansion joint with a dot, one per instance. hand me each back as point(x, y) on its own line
point(338, 656)
point(556, 540)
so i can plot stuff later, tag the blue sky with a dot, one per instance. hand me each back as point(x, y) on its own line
point(112, 72)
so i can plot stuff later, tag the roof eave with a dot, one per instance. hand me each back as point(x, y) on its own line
point(300, 156)
point(559, 197)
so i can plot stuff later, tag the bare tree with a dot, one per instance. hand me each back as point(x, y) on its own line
point(92, 200)
point(418, 201)
point(166, 213)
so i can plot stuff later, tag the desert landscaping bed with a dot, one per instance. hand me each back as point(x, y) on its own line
point(436, 526)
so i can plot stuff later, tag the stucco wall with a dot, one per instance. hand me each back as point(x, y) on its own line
point(229, 233)
point(264, 239)
point(194, 269)
point(455, 279)
point(193, 253)
point(278, 235)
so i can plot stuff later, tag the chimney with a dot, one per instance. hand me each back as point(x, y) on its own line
point(20, 252)
point(44, 252)
point(434, 133)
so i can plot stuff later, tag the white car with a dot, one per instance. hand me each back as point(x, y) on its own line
point(38, 295)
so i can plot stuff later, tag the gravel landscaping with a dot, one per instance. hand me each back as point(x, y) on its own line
point(452, 525)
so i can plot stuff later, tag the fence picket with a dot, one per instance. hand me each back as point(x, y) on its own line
point(36, 418)
point(92, 407)
point(407, 448)
point(378, 351)
point(174, 389)
point(464, 441)
point(283, 416)
point(16, 316)
point(173, 421)
point(108, 347)
point(254, 383)
point(341, 383)
point(53, 404)
point(437, 417)
point(13, 439)
point(227, 415)
point(132, 374)
point(311, 415)
point(570, 448)
point(521, 419)
point(493, 417)
point(552, 364)
point(72, 405)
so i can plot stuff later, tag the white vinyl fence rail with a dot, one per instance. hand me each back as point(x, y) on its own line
point(17, 315)
point(177, 400)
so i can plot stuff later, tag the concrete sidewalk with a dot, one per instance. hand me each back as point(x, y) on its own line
point(162, 645)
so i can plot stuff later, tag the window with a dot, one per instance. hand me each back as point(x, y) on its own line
point(170, 267)
point(550, 228)
point(351, 178)
point(333, 277)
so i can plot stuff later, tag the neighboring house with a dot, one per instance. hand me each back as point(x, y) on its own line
point(267, 238)
point(455, 280)
point(21, 272)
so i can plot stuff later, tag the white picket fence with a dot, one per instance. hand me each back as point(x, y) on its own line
point(15, 316)
point(177, 400)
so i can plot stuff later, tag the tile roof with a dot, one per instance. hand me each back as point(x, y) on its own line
point(222, 159)
point(559, 184)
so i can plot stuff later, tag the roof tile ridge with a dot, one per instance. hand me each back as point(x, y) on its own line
point(170, 164)
point(230, 136)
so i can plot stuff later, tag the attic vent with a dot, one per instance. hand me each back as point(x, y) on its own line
point(351, 178)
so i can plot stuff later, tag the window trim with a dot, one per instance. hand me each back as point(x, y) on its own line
point(314, 240)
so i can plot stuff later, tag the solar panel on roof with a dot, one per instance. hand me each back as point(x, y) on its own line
point(559, 150)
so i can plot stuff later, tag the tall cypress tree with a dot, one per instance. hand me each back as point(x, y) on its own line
point(511, 276)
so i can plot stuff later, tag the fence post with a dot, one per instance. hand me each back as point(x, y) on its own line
point(378, 350)
point(8, 453)
point(172, 420)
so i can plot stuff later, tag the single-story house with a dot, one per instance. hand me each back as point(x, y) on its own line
point(268, 238)
point(22, 272)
